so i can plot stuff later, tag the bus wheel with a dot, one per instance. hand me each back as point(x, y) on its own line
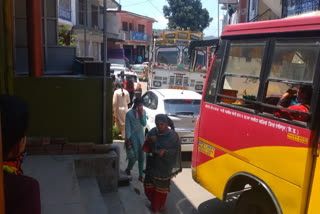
point(255, 201)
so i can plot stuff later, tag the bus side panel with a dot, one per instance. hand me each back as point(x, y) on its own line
point(314, 205)
point(235, 131)
point(213, 175)
point(232, 141)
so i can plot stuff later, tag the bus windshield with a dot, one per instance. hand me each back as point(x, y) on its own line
point(200, 58)
point(168, 56)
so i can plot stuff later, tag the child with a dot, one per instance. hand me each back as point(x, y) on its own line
point(22, 193)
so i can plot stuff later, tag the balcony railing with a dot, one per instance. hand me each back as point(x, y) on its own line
point(124, 35)
point(65, 14)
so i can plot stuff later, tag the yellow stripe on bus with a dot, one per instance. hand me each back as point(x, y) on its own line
point(224, 149)
point(213, 175)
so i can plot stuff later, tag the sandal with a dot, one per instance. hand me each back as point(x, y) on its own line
point(127, 171)
point(162, 208)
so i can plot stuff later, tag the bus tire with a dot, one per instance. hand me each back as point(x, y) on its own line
point(255, 201)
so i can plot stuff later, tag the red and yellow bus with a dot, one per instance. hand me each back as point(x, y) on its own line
point(241, 143)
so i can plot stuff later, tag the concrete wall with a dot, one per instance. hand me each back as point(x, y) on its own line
point(66, 107)
point(59, 61)
point(269, 15)
point(124, 17)
point(112, 23)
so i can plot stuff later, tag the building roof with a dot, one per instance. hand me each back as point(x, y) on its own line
point(132, 14)
point(110, 4)
point(308, 23)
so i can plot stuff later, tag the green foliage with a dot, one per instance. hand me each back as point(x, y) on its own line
point(115, 133)
point(187, 13)
point(65, 37)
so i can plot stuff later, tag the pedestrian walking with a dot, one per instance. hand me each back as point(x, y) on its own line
point(130, 88)
point(135, 122)
point(163, 161)
point(120, 103)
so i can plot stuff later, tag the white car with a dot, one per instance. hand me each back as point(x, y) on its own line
point(139, 69)
point(130, 75)
point(182, 106)
point(118, 68)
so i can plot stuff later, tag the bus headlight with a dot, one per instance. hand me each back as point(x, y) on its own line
point(157, 83)
point(198, 87)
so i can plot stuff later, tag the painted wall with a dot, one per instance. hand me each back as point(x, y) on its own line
point(112, 23)
point(66, 107)
point(124, 17)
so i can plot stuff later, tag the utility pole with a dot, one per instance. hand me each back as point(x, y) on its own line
point(218, 18)
point(104, 126)
point(85, 27)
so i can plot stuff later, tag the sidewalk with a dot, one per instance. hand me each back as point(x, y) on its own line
point(64, 192)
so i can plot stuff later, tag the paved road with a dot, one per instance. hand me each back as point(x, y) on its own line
point(185, 196)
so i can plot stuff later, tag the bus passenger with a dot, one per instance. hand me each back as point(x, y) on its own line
point(22, 193)
point(303, 104)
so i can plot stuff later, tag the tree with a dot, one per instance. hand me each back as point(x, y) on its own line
point(187, 13)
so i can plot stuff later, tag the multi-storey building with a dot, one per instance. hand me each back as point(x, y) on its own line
point(135, 31)
point(85, 19)
point(259, 10)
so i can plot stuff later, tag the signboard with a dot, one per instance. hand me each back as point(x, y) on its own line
point(182, 42)
point(228, 1)
point(300, 7)
point(139, 36)
point(65, 14)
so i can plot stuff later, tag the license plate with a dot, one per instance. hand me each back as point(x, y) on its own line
point(186, 140)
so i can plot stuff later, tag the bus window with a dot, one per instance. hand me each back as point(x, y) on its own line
point(185, 59)
point(168, 56)
point(242, 73)
point(215, 69)
point(295, 61)
point(292, 70)
point(199, 59)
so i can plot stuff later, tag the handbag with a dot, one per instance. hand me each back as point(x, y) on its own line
point(146, 147)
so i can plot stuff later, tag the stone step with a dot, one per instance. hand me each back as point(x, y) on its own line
point(124, 179)
point(59, 187)
point(91, 197)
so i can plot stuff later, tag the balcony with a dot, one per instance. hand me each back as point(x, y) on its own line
point(124, 35)
point(65, 14)
point(133, 35)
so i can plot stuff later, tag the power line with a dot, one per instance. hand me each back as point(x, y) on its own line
point(155, 7)
point(135, 3)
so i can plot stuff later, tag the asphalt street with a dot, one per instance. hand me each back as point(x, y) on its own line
point(185, 196)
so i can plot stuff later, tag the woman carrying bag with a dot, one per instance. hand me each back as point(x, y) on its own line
point(163, 161)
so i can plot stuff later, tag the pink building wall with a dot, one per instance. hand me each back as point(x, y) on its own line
point(135, 20)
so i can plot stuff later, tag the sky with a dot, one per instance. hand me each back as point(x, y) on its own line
point(153, 9)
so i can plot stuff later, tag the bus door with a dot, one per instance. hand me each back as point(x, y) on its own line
point(2, 208)
point(240, 129)
point(314, 188)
